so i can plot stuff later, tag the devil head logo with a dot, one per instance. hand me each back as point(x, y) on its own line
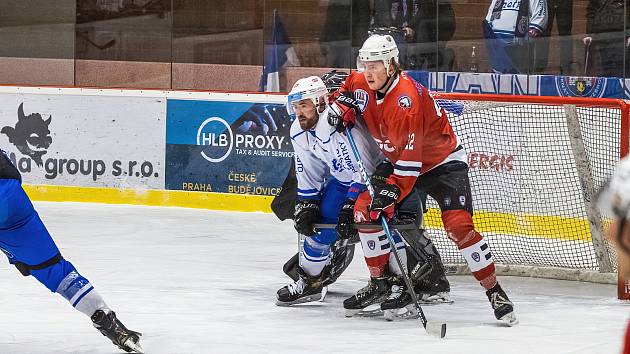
point(30, 135)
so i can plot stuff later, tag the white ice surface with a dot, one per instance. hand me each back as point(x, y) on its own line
point(197, 281)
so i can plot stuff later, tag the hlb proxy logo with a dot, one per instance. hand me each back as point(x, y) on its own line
point(216, 133)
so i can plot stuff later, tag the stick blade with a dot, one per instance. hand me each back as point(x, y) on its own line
point(436, 329)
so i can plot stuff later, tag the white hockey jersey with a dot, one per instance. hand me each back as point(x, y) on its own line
point(503, 23)
point(322, 153)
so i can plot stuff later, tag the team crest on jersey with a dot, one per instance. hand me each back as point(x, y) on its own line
point(462, 200)
point(475, 256)
point(362, 98)
point(404, 102)
point(337, 165)
point(371, 244)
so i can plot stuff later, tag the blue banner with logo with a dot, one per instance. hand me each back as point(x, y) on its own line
point(227, 147)
point(516, 84)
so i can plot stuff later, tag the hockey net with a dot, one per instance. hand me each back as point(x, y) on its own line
point(535, 166)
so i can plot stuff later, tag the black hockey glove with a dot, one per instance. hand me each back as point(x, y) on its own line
point(383, 170)
point(345, 221)
point(384, 201)
point(343, 112)
point(306, 214)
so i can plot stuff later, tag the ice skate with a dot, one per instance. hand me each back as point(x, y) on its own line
point(372, 294)
point(502, 306)
point(305, 289)
point(113, 329)
point(399, 304)
point(434, 291)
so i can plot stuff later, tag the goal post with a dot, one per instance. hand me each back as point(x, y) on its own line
point(536, 164)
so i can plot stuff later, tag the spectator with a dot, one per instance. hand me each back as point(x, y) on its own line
point(340, 36)
point(508, 28)
point(605, 42)
point(432, 30)
point(398, 18)
point(562, 11)
point(412, 23)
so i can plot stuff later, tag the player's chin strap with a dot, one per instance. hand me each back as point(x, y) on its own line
point(435, 329)
point(389, 81)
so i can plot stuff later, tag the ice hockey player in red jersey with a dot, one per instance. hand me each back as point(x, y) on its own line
point(416, 136)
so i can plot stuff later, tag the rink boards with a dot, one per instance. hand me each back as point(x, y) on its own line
point(140, 146)
point(231, 151)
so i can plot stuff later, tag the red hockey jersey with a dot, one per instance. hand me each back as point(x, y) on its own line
point(411, 129)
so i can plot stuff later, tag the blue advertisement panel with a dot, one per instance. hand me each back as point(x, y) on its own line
point(514, 84)
point(228, 147)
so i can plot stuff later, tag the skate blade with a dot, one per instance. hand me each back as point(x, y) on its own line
point(133, 345)
point(324, 293)
point(373, 310)
point(436, 299)
point(405, 313)
point(509, 319)
point(302, 300)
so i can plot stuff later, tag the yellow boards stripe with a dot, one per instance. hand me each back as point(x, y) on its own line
point(186, 199)
point(544, 226)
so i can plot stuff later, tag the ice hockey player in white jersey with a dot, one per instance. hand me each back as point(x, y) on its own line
point(329, 181)
point(283, 205)
point(508, 25)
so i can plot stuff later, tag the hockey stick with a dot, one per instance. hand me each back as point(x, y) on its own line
point(434, 329)
point(587, 50)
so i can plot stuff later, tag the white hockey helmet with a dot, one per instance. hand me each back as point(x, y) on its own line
point(378, 47)
point(614, 198)
point(311, 87)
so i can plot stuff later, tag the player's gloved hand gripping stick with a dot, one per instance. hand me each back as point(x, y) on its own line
point(432, 328)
